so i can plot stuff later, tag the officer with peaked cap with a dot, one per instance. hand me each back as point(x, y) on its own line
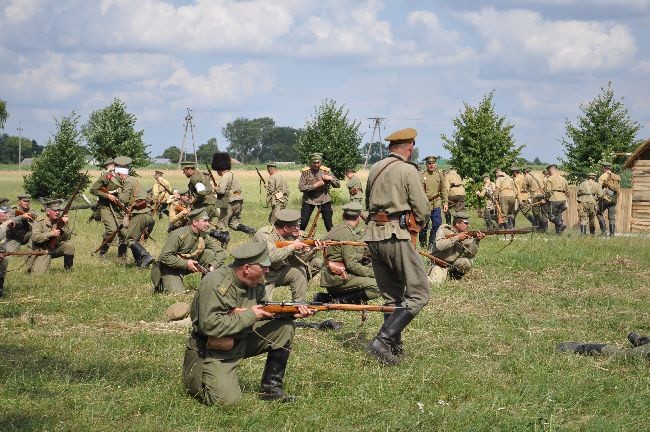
point(437, 190)
point(200, 189)
point(315, 182)
point(277, 191)
point(229, 324)
point(109, 207)
point(43, 230)
point(394, 196)
point(611, 184)
point(456, 246)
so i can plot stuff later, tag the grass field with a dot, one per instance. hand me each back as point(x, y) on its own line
point(91, 349)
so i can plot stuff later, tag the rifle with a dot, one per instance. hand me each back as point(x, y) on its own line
point(118, 203)
point(27, 215)
point(312, 228)
point(59, 220)
point(496, 232)
point(500, 219)
point(311, 242)
point(204, 271)
point(261, 178)
point(211, 175)
point(109, 239)
point(290, 307)
point(30, 253)
point(434, 259)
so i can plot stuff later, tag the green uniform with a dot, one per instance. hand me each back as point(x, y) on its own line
point(21, 233)
point(201, 190)
point(436, 188)
point(111, 215)
point(4, 263)
point(230, 189)
point(182, 245)
point(587, 196)
point(211, 375)
point(355, 189)
point(41, 235)
point(357, 276)
point(556, 188)
point(459, 254)
point(141, 220)
point(277, 194)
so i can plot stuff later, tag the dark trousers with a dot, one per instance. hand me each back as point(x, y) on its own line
point(325, 211)
point(435, 221)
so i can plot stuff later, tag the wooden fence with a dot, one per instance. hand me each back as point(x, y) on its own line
point(623, 210)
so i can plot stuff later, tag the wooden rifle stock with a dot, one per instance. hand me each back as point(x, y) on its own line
point(437, 261)
point(261, 178)
point(163, 186)
point(312, 228)
point(211, 175)
point(500, 219)
point(118, 203)
point(108, 240)
point(497, 232)
point(290, 307)
point(30, 253)
point(312, 242)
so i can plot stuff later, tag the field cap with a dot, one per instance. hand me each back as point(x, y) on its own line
point(316, 157)
point(198, 214)
point(461, 215)
point(188, 164)
point(287, 216)
point(271, 164)
point(402, 136)
point(353, 208)
point(252, 252)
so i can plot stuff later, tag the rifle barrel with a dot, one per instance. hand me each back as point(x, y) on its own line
point(283, 307)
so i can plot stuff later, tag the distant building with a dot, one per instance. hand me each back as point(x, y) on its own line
point(27, 162)
point(161, 161)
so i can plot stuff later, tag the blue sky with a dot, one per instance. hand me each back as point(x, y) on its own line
point(413, 62)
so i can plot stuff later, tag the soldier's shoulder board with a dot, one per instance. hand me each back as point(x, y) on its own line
point(305, 169)
point(223, 288)
point(324, 168)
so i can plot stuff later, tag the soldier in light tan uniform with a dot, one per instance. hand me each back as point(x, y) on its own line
point(587, 196)
point(315, 182)
point(611, 184)
point(230, 189)
point(523, 187)
point(394, 197)
point(277, 191)
point(455, 245)
point(489, 212)
point(43, 230)
point(160, 192)
point(556, 188)
point(456, 193)
point(536, 181)
point(435, 187)
point(507, 196)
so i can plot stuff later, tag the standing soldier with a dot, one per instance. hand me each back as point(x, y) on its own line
point(230, 189)
point(507, 196)
point(487, 192)
point(523, 186)
point(611, 184)
point(456, 195)
point(160, 192)
point(435, 187)
point(277, 191)
point(556, 191)
point(5, 224)
point(200, 189)
point(44, 230)
point(536, 181)
point(398, 208)
point(315, 182)
point(21, 232)
point(353, 184)
point(106, 188)
point(587, 195)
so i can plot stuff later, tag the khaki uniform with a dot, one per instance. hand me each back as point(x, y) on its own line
point(159, 194)
point(111, 215)
point(141, 221)
point(587, 196)
point(200, 188)
point(277, 194)
point(313, 196)
point(489, 212)
point(456, 193)
point(436, 190)
point(355, 189)
point(41, 229)
point(357, 277)
point(611, 185)
point(4, 263)
point(230, 189)
point(177, 217)
point(507, 194)
point(211, 375)
point(395, 186)
point(458, 254)
point(21, 233)
point(556, 188)
point(182, 245)
point(537, 193)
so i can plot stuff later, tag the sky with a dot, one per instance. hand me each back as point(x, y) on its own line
point(413, 62)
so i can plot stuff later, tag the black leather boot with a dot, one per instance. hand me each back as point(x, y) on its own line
point(145, 258)
point(68, 261)
point(246, 229)
point(103, 250)
point(137, 254)
point(322, 298)
point(601, 224)
point(2, 286)
point(222, 236)
point(422, 237)
point(581, 348)
point(273, 376)
point(612, 229)
point(583, 229)
point(121, 250)
point(532, 221)
point(381, 346)
point(637, 340)
point(592, 229)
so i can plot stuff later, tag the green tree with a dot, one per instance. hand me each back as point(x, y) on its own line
point(110, 132)
point(3, 113)
point(378, 151)
point(57, 171)
point(172, 153)
point(205, 151)
point(280, 144)
point(9, 148)
point(604, 128)
point(481, 142)
point(247, 136)
point(332, 133)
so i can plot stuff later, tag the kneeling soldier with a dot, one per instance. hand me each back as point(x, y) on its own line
point(184, 249)
point(456, 246)
point(229, 324)
point(43, 230)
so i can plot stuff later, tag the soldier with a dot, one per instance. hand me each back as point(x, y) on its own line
point(435, 187)
point(106, 188)
point(287, 265)
point(179, 207)
point(611, 184)
point(315, 182)
point(139, 223)
point(587, 195)
point(487, 192)
point(277, 191)
point(160, 192)
point(456, 193)
point(346, 279)
point(507, 196)
point(395, 198)
point(536, 181)
point(187, 250)
point(456, 246)
point(230, 190)
point(556, 188)
point(5, 224)
point(353, 184)
point(640, 348)
point(200, 189)
point(229, 324)
point(43, 230)
point(23, 216)
point(523, 187)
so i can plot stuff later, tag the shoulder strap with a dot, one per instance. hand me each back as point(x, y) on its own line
point(371, 184)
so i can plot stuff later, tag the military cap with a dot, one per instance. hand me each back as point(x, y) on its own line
point(606, 163)
point(551, 165)
point(24, 197)
point(188, 164)
point(591, 174)
point(316, 157)
point(287, 215)
point(4, 209)
point(108, 162)
point(499, 173)
point(401, 136)
point(198, 213)
point(461, 215)
point(158, 172)
point(4, 200)
point(528, 169)
point(177, 311)
point(430, 159)
point(124, 161)
point(221, 161)
point(271, 164)
point(184, 192)
point(352, 208)
point(54, 204)
point(514, 168)
point(486, 176)
point(252, 252)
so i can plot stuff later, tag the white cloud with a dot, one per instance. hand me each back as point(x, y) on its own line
point(642, 67)
point(521, 36)
point(433, 25)
point(20, 11)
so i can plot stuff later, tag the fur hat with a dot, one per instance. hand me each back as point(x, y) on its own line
point(221, 161)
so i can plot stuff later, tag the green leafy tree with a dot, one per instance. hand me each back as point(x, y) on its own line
point(110, 132)
point(4, 115)
point(280, 144)
point(247, 136)
point(172, 153)
point(378, 151)
point(604, 128)
point(332, 133)
point(481, 142)
point(57, 171)
point(205, 151)
point(9, 148)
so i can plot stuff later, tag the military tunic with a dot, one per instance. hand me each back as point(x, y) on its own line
point(4, 263)
point(355, 189)
point(357, 276)
point(395, 186)
point(141, 221)
point(458, 254)
point(611, 184)
point(436, 190)
point(21, 232)
point(587, 195)
point(556, 188)
point(182, 245)
point(211, 375)
point(230, 189)
point(316, 196)
point(41, 235)
point(200, 188)
point(277, 194)
point(507, 194)
point(111, 215)
point(159, 194)
point(457, 194)
point(538, 195)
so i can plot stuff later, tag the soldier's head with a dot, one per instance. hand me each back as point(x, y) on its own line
point(515, 170)
point(271, 167)
point(200, 221)
point(352, 213)
point(349, 173)
point(122, 164)
point(315, 160)
point(251, 263)
point(109, 165)
point(461, 221)
point(52, 208)
point(402, 142)
point(591, 176)
point(221, 162)
point(4, 213)
point(189, 168)
point(551, 169)
point(486, 178)
point(184, 196)
point(431, 163)
point(23, 202)
point(607, 166)
point(287, 223)
point(158, 174)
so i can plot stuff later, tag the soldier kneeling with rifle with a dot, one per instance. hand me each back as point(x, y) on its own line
point(51, 234)
point(456, 245)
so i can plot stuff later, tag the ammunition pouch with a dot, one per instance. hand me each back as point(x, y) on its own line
point(220, 343)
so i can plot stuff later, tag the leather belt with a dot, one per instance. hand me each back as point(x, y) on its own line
point(382, 218)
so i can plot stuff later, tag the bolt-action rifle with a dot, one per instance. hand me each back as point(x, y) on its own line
point(312, 242)
point(30, 253)
point(260, 175)
point(312, 228)
point(58, 224)
point(504, 232)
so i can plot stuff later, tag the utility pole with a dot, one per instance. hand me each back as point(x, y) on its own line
point(376, 128)
point(189, 124)
point(20, 144)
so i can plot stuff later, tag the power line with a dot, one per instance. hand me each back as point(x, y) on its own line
point(189, 124)
point(376, 127)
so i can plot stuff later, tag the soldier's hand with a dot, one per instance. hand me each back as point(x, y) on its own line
point(319, 183)
point(191, 266)
point(480, 235)
point(445, 208)
point(463, 236)
point(326, 177)
point(298, 245)
point(318, 244)
point(260, 313)
point(304, 311)
point(55, 232)
point(112, 198)
point(64, 219)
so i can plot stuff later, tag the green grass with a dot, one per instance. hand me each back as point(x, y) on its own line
point(91, 349)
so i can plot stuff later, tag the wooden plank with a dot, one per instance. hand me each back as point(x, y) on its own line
point(641, 196)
